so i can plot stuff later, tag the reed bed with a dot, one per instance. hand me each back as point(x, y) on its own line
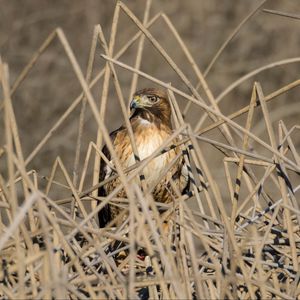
point(245, 249)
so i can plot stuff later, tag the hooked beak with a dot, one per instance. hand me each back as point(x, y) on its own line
point(135, 102)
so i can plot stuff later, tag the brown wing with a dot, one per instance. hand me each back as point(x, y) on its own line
point(104, 215)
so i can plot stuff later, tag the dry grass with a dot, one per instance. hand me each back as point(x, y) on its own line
point(247, 248)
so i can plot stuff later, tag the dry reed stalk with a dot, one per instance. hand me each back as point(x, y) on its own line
point(283, 14)
point(240, 169)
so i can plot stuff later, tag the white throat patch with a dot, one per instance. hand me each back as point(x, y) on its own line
point(144, 122)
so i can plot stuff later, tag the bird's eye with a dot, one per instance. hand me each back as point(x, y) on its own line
point(152, 98)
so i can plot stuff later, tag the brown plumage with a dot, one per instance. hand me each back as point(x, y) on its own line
point(151, 124)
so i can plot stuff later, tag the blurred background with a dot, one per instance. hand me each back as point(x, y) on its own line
point(203, 25)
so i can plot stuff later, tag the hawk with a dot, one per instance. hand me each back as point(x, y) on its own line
point(151, 124)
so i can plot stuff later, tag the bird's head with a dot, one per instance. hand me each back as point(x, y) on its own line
point(153, 101)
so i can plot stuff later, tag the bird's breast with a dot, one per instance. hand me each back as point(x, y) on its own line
point(148, 139)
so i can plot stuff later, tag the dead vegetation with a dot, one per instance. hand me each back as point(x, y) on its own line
point(50, 243)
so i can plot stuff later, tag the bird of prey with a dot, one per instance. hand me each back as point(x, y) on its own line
point(151, 124)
